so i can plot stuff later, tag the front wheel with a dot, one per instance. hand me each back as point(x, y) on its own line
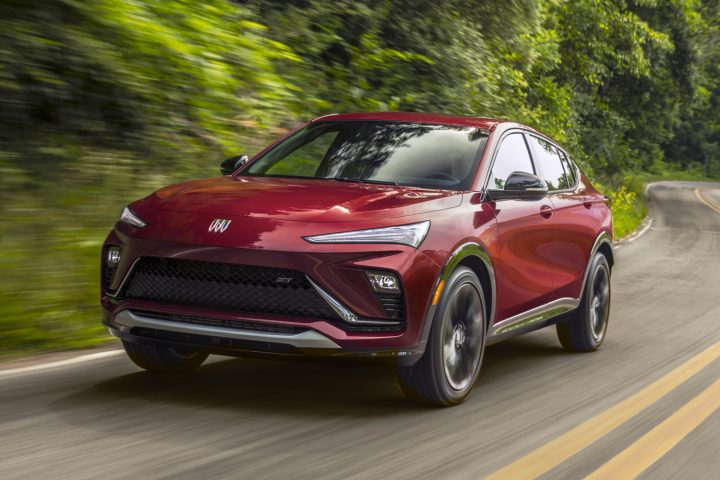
point(450, 365)
point(585, 328)
point(163, 359)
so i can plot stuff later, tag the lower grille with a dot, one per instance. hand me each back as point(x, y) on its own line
point(213, 322)
point(212, 342)
point(394, 306)
point(109, 275)
point(226, 286)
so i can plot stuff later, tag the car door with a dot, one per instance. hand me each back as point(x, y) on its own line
point(572, 213)
point(526, 233)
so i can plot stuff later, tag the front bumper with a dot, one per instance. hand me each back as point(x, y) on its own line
point(136, 327)
point(337, 270)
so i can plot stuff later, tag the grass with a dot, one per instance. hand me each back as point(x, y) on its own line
point(629, 215)
point(50, 239)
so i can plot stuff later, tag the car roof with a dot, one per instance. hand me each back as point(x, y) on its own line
point(418, 117)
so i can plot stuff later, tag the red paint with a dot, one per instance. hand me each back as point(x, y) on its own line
point(579, 214)
point(299, 199)
point(538, 249)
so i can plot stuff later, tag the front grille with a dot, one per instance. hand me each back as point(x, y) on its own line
point(226, 286)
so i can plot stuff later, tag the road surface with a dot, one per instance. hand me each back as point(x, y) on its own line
point(645, 404)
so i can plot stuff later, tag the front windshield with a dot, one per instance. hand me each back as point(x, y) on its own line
point(413, 154)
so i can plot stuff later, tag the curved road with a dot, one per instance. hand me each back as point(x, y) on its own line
point(263, 419)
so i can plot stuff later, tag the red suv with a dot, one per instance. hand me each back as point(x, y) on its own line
point(415, 237)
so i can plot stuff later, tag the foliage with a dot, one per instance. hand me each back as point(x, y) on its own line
point(627, 211)
point(102, 101)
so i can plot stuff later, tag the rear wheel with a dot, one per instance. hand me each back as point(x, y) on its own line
point(585, 328)
point(163, 359)
point(447, 371)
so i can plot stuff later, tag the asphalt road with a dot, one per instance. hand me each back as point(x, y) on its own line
point(264, 419)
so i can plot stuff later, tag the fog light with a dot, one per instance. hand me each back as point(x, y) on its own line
point(383, 282)
point(113, 256)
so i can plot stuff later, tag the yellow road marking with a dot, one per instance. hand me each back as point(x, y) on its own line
point(568, 444)
point(704, 200)
point(647, 450)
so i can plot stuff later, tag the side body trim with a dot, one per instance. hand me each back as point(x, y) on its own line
point(308, 339)
point(537, 315)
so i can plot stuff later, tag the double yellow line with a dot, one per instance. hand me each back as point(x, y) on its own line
point(703, 199)
point(645, 451)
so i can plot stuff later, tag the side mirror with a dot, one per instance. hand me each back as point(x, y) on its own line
point(233, 163)
point(521, 186)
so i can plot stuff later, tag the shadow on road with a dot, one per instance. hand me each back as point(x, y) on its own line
point(297, 388)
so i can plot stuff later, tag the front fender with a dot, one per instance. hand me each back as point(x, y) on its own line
point(468, 253)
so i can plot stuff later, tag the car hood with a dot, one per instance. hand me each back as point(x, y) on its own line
point(314, 200)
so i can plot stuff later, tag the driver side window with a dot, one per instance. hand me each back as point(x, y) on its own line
point(512, 156)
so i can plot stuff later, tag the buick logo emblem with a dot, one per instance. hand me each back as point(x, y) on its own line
point(219, 225)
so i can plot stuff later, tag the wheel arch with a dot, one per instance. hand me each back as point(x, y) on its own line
point(480, 269)
point(474, 256)
point(606, 249)
point(603, 244)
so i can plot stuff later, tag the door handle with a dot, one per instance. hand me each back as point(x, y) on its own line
point(546, 211)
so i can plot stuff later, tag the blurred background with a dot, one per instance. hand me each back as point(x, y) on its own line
point(102, 101)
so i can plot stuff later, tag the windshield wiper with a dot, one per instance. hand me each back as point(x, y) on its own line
point(357, 180)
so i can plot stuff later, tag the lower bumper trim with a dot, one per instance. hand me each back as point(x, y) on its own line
point(127, 320)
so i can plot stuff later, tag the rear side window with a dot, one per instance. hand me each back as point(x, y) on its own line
point(569, 168)
point(550, 164)
point(513, 156)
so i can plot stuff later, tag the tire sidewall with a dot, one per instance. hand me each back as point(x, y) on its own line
point(599, 261)
point(458, 278)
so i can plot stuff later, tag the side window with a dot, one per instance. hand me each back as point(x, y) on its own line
point(550, 164)
point(513, 156)
point(569, 169)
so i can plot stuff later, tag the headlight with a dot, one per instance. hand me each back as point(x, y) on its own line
point(129, 217)
point(411, 235)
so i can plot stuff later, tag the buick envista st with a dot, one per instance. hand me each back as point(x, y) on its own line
point(417, 238)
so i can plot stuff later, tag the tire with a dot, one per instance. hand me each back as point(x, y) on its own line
point(163, 359)
point(447, 371)
point(585, 328)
